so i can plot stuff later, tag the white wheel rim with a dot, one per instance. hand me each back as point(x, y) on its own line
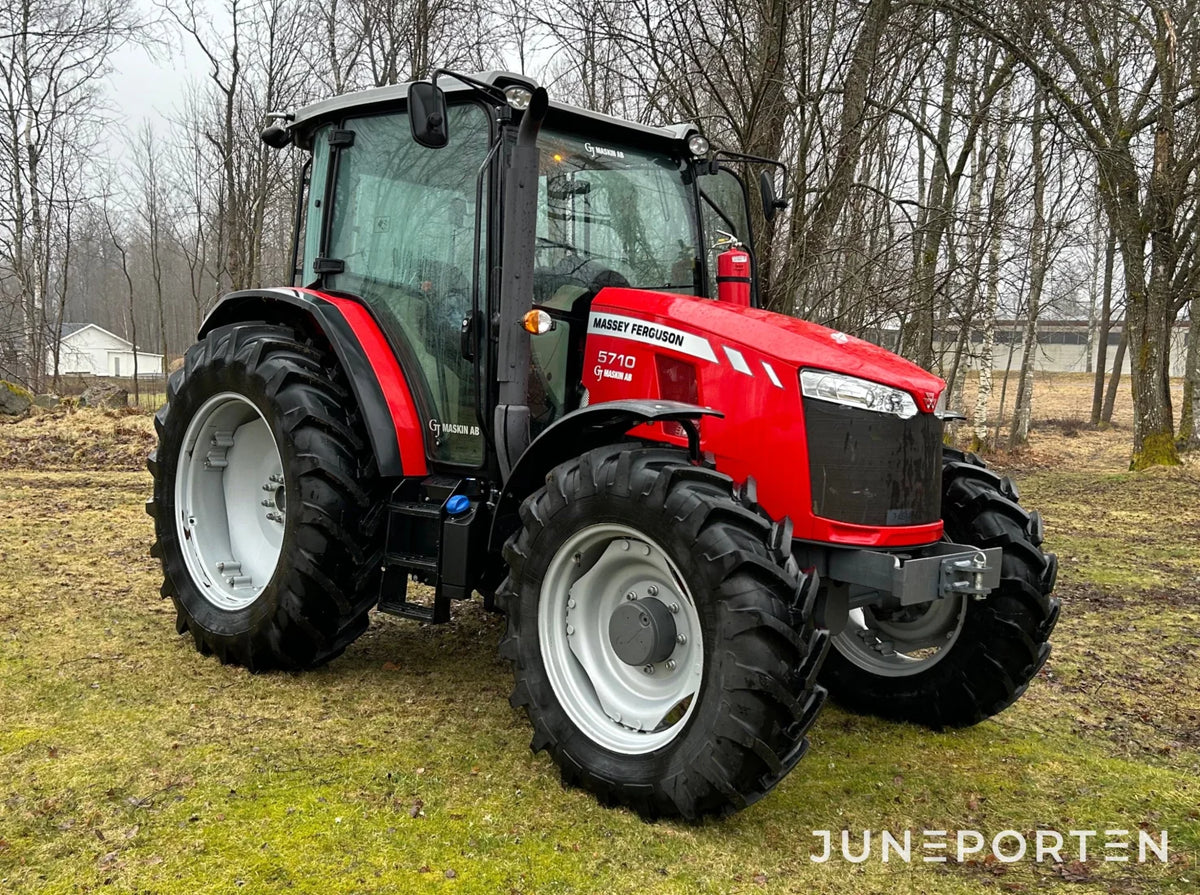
point(619, 706)
point(905, 645)
point(230, 501)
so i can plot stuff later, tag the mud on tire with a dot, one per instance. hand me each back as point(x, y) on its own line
point(1004, 639)
point(756, 694)
point(325, 579)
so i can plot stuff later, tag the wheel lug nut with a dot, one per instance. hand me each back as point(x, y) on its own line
point(570, 604)
point(267, 503)
point(674, 607)
point(632, 595)
point(652, 590)
point(648, 669)
point(570, 630)
point(267, 486)
point(681, 639)
point(670, 664)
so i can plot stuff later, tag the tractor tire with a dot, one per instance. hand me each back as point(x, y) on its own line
point(991, 648)
point(709, 709)
point(270, 540)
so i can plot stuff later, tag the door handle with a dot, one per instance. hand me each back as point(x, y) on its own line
point(467, 338)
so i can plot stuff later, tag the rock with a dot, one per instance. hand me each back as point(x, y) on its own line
point(104, 396)
point(14, 400)
point(48, 402)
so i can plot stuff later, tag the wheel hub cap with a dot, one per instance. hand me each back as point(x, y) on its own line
point(642, 631)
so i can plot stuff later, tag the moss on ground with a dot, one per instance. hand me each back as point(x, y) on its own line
point(130, 763)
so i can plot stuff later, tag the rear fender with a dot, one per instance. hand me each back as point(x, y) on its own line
point(574, 434)
point(389, 413)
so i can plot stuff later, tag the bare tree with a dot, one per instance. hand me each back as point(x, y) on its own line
point(120, 245)
point(147, 163)
point(1112, 69)
point(52, 57)
point(997, 217)
point(1110, 251)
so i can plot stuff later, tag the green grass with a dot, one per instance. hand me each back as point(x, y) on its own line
point(1126, 532)
point(128, 762)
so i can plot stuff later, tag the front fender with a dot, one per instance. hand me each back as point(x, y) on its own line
point(577, 432)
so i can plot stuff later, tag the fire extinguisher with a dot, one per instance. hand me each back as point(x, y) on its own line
point(733, 272)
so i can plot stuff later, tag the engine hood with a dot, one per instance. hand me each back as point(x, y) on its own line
point(796, 343)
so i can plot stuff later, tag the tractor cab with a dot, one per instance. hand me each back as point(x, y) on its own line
point(414, 232)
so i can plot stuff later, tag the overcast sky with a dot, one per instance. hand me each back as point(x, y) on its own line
point(144, 86)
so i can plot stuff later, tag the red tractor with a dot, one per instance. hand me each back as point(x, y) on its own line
point(522, 356)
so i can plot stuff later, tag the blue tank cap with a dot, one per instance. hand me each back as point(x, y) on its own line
point(459, 503)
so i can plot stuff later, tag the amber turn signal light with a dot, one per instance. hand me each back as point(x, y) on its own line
point(538, 322)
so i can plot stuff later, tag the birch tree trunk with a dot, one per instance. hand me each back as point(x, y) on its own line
point(997, 217)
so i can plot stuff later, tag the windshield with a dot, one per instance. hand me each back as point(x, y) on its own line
point(610, 214)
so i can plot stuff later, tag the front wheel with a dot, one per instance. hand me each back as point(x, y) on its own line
point(663, 650)
point(955, 661)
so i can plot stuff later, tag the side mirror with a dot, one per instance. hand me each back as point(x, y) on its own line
point(427, 114)
point(770, 202)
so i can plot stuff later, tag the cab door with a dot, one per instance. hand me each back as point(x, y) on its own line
point(402, 229)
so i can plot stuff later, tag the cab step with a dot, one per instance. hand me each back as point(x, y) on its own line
point(436, 534)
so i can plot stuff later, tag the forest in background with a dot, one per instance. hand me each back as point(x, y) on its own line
point(952, 164)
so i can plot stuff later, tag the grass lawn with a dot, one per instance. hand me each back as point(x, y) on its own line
point(130, 763)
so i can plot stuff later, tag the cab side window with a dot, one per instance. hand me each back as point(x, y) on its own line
point(313, 206)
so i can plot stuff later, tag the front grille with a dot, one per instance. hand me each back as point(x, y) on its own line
point(873, 468)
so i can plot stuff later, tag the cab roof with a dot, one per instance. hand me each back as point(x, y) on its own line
point(379, 99)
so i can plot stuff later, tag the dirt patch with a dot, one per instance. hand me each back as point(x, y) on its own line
point(69, 438)
point(1079, 597)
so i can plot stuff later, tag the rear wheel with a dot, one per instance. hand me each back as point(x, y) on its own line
point(263, 499)
point(956, 661)
point(663, 649)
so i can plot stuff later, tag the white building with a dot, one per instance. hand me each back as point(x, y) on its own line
point(1062, 346)
point(92, 351)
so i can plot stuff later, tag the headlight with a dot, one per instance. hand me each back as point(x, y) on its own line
point(853, 392)
point(518, 97)
point(698, 145)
